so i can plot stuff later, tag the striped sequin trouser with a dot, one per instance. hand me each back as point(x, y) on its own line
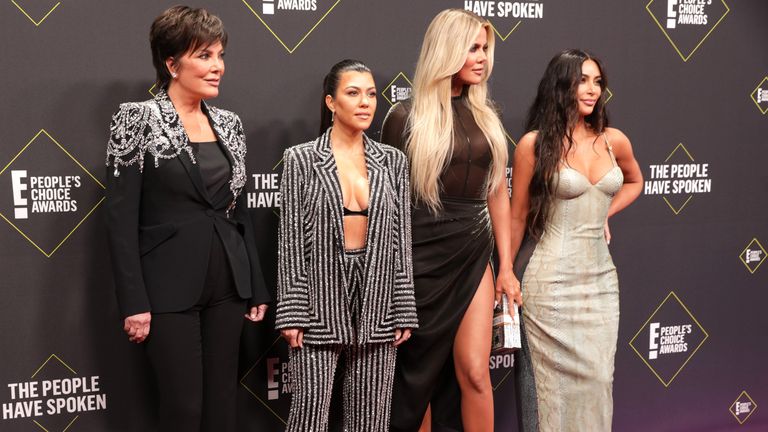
point(368, 374)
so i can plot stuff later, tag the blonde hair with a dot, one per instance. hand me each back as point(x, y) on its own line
point(430, 122)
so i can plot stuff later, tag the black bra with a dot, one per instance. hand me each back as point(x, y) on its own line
point(348, 212)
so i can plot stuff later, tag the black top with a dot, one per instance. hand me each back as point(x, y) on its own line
point(466, 175)
point(214, 166)
point(348, 212)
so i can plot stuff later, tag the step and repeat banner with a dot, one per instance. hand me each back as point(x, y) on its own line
point(688, 83)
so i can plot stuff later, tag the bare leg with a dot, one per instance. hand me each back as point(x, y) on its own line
point(471, 352)
point(426, 424)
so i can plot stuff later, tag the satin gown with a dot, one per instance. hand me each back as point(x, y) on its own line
point(571, 311)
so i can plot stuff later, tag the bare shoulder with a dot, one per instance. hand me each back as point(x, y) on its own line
point(398, 113)
point(617, 138)
point(526, 145)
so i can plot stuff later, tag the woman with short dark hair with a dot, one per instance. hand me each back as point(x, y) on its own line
point(182, 244)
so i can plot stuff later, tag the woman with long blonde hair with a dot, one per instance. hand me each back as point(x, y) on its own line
point(457, 151)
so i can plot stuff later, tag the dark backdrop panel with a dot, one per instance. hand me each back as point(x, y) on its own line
point(690, 262)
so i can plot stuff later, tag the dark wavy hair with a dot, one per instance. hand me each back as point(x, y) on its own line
point(331, 84)
point(178, 30)
point(554, 115)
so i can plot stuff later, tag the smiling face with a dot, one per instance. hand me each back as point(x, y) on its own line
point(199, 72)
point(354, 103)
point(477, 60)
point(590, 87)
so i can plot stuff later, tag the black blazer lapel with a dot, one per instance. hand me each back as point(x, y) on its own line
point(169, 113)
point(219, 136)
point(223, 145)
point(193, 170)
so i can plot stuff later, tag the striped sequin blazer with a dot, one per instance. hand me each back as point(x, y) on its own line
point(311, 272)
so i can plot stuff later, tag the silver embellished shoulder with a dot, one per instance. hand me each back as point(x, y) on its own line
point(138, 128)
point(153, 128)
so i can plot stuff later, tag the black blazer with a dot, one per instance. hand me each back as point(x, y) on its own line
point(311, 272)
point(160, 219)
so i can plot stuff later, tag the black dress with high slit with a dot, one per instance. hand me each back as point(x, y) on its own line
point(451, 251)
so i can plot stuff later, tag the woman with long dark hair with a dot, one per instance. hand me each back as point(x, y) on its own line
point(457, 151)
point(571, 173)
point(345, 282)
point(183, 250)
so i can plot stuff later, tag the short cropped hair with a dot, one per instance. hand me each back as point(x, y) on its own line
point(178, 30)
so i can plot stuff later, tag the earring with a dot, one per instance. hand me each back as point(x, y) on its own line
point(333, 113)
point(174, 74)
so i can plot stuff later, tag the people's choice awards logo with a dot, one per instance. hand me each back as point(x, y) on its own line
point(269, 380)
point(753, 255)
point(678, 179)
point(742, 407)
point(687, 23)
point(291, 22)
point(266, 189)
point(669, 339)
point(54, 397)
point(760, 96)
point(398, 90)
point(46, 194)
point(506, 16)
point(511, 146)
point(38, 9)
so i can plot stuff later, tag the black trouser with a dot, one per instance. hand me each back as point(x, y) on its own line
point(194, 354)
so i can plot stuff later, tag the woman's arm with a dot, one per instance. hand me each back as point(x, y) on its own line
point(259, 293)
point(122, 204)
point(403, 299)
point(522, 173)
point(393, 133)
point(500, 212)
point(292, 312)
point(633, 176)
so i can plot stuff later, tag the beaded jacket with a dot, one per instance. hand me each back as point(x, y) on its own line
point(161, 220)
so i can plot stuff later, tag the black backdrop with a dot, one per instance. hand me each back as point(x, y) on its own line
point(693, 99)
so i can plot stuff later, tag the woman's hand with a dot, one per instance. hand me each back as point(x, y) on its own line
point(401, 335)
point(257, 313)
point(294, 337)
point(137, 326)
point(607, 231)
point(507, 283)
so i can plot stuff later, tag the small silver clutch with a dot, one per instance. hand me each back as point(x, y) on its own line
point(506, 330)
